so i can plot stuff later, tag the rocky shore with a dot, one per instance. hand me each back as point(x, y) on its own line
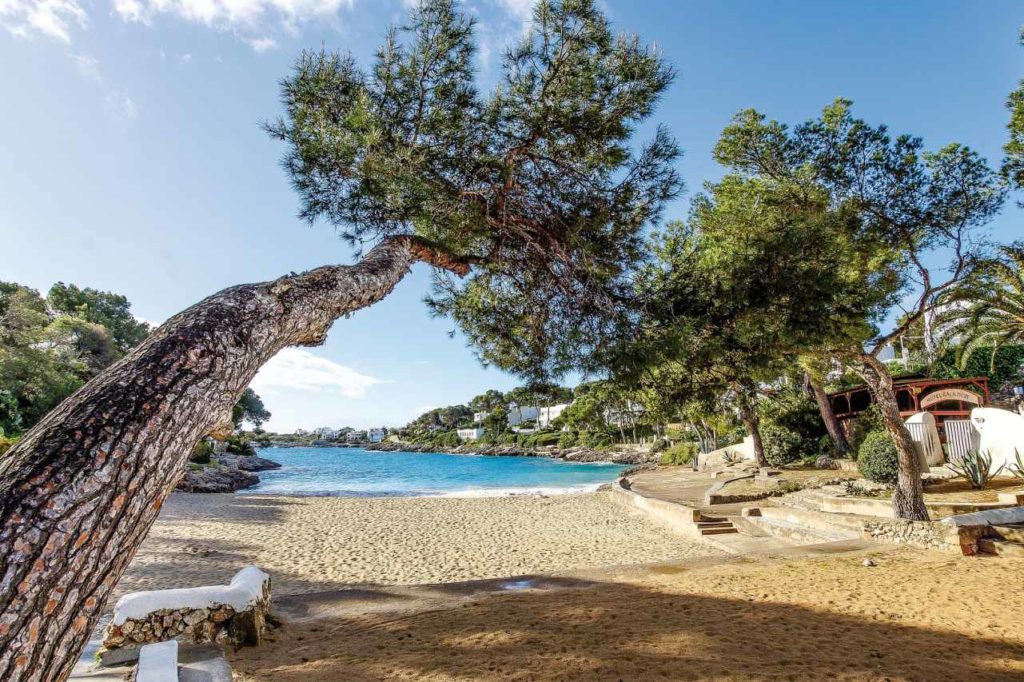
point(231, 473)
point(574, 454)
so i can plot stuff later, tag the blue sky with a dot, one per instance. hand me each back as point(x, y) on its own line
point(134, 161)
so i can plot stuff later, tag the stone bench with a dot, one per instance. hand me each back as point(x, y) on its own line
point(234, 613)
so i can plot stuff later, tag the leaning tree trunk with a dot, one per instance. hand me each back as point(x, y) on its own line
point(80, 491)
point(751, 420)
point(908, 498)
point(828, 416)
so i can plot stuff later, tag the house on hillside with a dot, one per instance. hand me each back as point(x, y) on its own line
point(376, 435)
point(519, 414)
point(474, 433)
point(546, 415)
point(355, 437)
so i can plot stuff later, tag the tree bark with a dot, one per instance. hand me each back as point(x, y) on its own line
point(908, 498)
point(750, 419)
point(828, 416)
point(80, 491)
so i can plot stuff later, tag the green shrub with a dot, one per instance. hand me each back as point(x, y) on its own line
point(240, 445)
point(782, 445)
point(660, 445)
point(877, 458)
point(567, 439)
point(679, 454)
point(596, 439)
point(201, 452)
point(868, 421)
point(546, 438)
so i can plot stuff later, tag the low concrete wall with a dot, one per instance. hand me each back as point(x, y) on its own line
point(955, 534)
point(674, 516)
point(883, 508)
point(922, 534)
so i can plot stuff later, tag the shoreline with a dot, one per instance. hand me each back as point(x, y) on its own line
point(618, 455)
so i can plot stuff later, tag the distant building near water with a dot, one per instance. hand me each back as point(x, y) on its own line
point(376, 435)
point(355, 437)
point(517, 415)
point(327, 433)
point(546, 415)
point(474, 433)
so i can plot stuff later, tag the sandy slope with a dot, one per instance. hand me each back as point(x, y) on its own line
point(315, 544)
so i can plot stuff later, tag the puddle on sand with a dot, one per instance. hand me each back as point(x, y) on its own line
point(516, 585)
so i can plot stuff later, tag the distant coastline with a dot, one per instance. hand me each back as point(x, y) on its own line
point(616, 455)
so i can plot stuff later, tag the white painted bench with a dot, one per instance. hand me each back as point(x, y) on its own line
point(194, 615)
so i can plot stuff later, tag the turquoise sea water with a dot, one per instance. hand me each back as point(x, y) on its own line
point(353, 472)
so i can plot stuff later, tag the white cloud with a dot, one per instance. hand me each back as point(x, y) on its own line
point(300, 370)
point(88, 67)
point(51, 18)
point(262, 44)
point(241, 16)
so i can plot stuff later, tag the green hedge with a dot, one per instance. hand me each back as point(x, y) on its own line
point(877, 458)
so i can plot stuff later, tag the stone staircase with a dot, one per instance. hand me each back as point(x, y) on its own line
point(1009, 541)
point(715, 525)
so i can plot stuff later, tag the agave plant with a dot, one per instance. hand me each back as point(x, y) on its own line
point(976, 467)
point(1017, 468)
point(988, 310)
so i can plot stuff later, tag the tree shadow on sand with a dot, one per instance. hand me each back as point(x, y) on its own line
point(614, 631)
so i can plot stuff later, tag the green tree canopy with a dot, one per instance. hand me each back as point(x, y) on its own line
point(108, 310)
point(250, 408)
point(536, 183)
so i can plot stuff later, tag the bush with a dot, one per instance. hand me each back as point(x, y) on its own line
point(567, 439)
point(679, 454)
point(782, 446)
point(791, 429)
point(240, 445)
point(201, 452)
point(868, 421)
point(877, 458)
point(547, 438)
point(659, 445)
point(596, 439)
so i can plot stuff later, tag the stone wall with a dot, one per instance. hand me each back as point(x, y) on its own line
point(234, 613)
point(921, 534)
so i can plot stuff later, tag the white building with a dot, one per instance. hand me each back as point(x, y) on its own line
point(478, 417)
point(546, 415)
point(474, 433)
point(518, 415)
point(327, 433)
point(376, 435)
point(356, 437)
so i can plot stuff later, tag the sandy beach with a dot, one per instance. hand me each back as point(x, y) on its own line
point(311, 544)
point(815, 618)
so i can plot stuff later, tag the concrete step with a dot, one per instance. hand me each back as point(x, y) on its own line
point(1001, 547)
point(714, 524)
point(1013, 532)
point(718, 531)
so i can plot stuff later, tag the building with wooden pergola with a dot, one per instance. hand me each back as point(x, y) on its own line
point(945, 399)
